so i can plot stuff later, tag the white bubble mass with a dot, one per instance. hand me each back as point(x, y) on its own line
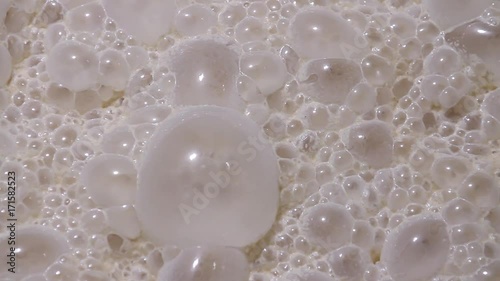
point(268, 140)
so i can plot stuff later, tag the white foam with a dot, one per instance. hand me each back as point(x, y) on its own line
point(380, 124)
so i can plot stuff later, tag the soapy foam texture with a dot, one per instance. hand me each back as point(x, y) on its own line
point(264, 140)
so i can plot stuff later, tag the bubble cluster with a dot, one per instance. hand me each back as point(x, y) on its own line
point(266, 140)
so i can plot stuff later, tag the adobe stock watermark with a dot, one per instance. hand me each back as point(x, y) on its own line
point(221, 179)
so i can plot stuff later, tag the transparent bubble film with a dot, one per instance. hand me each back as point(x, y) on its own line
point(259, 140)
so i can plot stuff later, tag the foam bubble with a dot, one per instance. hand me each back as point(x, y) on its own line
point(443, 61)
point(136, 57)
point(320, 33)
point(362, 98)
point(114, 70)
point(232, 14)
point(305, 72)
point(403, 25)
point(459, 211)
point(206, 263)
point(327, 225)
point(86, 18)
point(432, 86)
point(371, 142)
point(145, 20)
point(464, 233)
point(73, 65)
point(37, 247)
point(321, 76)
point(203, 171)
point(205, 73)
point(480, 189)
point(417, 249)
point(266, 69)
point(489, 272)
point(119, 141)
point(194, 20)
point(492, 103)
point(349, 262)
point(448, 13)
point(481, 39)
point(250, 29)
point(110, 180)
point(449, 171)
point(123, 220)
point(377, 70)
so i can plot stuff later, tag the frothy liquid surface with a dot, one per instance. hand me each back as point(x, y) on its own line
point(268, 140)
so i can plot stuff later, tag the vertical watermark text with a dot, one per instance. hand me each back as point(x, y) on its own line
point(11, 221)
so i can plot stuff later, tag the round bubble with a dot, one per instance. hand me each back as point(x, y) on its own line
point(443, 61)
point(371, 142)
point(481, 189)
point(349, 262)
point(209, 173)
point(36, 248)
point(86, 18)
point(205, 73)
point(194, 20)
point(110, 180)
point(327, 225)
point(449, 171)
point(266, 69)
point(114, 70)
point(73, 65)
point(320, 33)
point(119, 141)
point(417, 249)
point(250, 29)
